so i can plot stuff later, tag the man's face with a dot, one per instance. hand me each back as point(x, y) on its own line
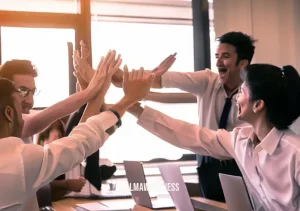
point(26, 84)
point(226, 63)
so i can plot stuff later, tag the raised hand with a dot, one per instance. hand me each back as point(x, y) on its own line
point(163, 67)
point(102, 76)
point(136, 84)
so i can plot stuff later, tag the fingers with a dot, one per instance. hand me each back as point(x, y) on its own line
point(125, 74)
point(140, 73)
point(84, 50)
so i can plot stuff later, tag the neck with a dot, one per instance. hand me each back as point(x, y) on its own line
point(4, 133)
point(232, 84)
point(261, 128)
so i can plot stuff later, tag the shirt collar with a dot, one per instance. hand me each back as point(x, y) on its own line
point(271, 141)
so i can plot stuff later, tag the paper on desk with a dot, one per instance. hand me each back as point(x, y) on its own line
point(96, 206)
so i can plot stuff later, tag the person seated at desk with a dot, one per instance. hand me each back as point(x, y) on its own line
point(27, 167)
point(60, 186)
point(267, 151)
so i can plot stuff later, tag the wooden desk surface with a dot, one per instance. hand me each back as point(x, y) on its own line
point(204, 204)
point(70, 203)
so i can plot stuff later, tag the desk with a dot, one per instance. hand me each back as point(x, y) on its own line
point(201, 204)
point(70, 203)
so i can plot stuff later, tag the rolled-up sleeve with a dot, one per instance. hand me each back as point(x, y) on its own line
point(218, 144)
point(43, 164)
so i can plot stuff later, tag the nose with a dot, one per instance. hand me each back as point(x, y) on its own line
point(29, 99)
point(219, 61)
point(237, 96)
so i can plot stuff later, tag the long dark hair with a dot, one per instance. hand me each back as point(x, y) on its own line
point(279, 88)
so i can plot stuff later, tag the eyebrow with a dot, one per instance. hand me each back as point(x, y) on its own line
point(225, 53)
point(24, 87)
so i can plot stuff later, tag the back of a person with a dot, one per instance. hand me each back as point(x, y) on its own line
point(13, 187)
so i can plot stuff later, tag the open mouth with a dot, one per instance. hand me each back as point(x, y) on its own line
point(222, 69)
point(239, 109)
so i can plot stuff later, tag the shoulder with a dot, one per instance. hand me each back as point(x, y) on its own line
point(10, 142)
point(243, 131)
point(292, 140)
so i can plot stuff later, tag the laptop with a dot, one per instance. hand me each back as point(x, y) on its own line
point(235, 192)
point(90, 192)
point(136, 178)
point(172, 175)
point(180, 196)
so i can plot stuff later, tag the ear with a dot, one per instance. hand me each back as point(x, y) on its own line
point(9, 113)
point(258, 106)
point(244, 63)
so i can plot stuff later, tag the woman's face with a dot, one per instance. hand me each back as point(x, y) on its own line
point(54, 135)
point(245, 106)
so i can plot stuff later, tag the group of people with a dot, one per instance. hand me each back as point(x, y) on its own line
point(245, 111)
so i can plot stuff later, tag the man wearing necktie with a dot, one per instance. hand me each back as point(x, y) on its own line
point(215, 94)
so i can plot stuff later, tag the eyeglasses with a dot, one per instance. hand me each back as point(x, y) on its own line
point(24, 92)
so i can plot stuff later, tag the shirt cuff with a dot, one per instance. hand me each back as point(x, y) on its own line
point(104, 120)
point(148, 115)
point(166, 80)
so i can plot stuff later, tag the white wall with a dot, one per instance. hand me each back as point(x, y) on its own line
point(272, 22)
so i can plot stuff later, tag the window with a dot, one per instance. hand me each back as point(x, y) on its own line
point(145, 34)
point(144, 45)
point(48, 50)
point(58, 6)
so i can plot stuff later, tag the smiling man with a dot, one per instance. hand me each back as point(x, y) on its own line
point(23, 74)
point(215, 94)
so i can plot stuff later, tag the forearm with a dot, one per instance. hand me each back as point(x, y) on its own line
point(35, 123)
point(60, 184)
point(59, 188)
point(123, 105)
point(191, 82)
point(92, 108)
point(185, 135)
point(171, 97)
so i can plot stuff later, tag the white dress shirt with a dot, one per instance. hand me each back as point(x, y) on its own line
point(27, 167)
point(271, 169)
point(210, 93)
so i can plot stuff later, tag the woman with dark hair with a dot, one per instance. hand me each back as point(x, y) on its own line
point(60, 186)
point(267, 151)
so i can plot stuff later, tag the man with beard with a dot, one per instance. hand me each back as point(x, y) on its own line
point(22, 73)
point(27, 167)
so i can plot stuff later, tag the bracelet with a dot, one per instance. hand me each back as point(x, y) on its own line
point(119, 122)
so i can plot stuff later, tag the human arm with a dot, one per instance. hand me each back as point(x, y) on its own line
point(44, 164)
point(36, 122)
point(184, 135)
point(171, 97)
point(107, 68)
point(60, 188)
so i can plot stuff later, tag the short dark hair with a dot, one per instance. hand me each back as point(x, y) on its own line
point(7, 88)
point(279, 88)
point(243, 43)
point(57, 125)
point(13, 67)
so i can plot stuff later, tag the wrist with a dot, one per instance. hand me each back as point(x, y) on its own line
point(122, 106)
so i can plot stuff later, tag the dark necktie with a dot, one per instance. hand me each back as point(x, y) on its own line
point(226, 111)
point(210, 168)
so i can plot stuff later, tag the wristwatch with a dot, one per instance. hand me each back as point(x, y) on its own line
point(119, 122)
